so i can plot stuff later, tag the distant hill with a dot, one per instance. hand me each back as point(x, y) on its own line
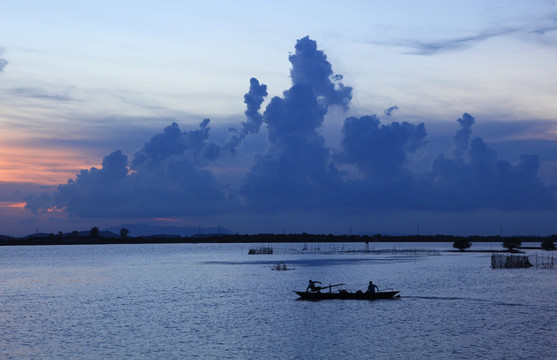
point(150, 230)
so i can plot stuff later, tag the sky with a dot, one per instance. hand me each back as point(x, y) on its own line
point(397, 117)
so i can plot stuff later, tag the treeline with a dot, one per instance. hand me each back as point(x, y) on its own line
point(304, 237)
point(94, 237)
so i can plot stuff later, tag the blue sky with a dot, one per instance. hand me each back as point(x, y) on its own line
point(113, 96)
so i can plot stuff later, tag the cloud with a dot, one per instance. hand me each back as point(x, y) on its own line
point(390, 110)
point(540, 28)
point(380, 150)
point(181, 173)
point(253, 100)
point(96, 192)
point(475, 178)
point(39, 94)
point(166, 176)
point(433, 47)
point(544, 27)
point(3, 62)
point(310, 67)
point(461, 139)
point(296, 171)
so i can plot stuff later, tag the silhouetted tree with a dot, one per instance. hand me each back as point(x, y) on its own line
point(462, 244)
point(548, 244)
point(124, 233)
point(75, 233)
point(511, 244)
point(94, 232)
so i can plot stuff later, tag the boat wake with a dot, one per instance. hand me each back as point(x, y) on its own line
point(455, 298)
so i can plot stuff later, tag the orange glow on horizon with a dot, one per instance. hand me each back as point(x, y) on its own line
point(9, 204)
point(41, 166)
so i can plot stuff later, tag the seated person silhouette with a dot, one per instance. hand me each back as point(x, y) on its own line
point(312, 287)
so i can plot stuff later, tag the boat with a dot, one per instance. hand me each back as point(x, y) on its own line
point(345, 295)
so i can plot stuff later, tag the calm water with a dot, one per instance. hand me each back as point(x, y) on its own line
point(215, 301)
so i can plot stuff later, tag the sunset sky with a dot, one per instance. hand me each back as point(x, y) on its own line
point(323, 117)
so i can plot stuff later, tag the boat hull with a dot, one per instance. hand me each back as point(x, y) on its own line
point(346, 295)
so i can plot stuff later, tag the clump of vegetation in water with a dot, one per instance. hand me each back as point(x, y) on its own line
point(499, 261)
point(511, 244)
point(261, 251)
point(281, 267)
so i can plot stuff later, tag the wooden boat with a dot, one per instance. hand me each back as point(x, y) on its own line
point(345, 295)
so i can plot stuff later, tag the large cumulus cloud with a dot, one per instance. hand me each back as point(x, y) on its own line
point(380, 150)
point(296, 171)
point(165, 177)
point(311, 67)
point(473, 177)
point(3, 62)
point(253, 100)
point(174, 173)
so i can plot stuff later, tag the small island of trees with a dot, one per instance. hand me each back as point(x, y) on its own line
point(548, 244)
point(462, 244)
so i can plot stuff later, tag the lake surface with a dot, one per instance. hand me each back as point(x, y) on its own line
point(214, 301)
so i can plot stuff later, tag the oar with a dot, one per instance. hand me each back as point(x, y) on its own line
point(336, 285)
point(329, 286)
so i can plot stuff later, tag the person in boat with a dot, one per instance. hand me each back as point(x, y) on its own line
point(371, 288)
point(312, 287)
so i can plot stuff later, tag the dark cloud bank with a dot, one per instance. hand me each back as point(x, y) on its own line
point(173, 174)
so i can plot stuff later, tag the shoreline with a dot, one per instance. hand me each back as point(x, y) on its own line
point(266, 239)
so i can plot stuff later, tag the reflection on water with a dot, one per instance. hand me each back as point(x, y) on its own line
point(319, 261)
point(215, 301)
